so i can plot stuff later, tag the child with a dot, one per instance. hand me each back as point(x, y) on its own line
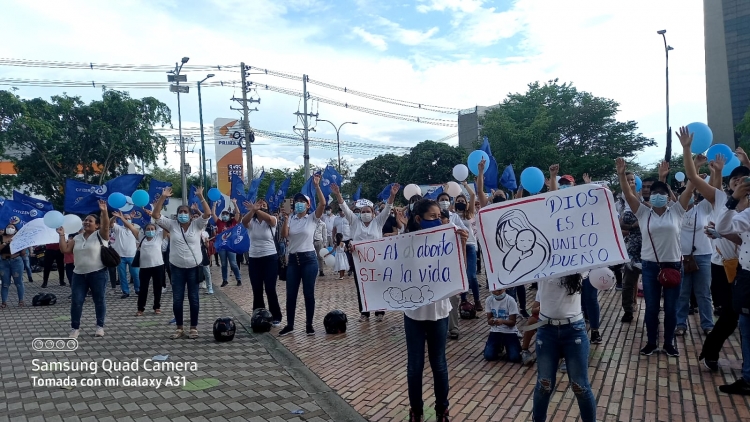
point(526, 355)
point(342, 264)
point(501, 317)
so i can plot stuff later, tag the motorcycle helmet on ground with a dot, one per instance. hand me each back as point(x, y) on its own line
point(224, 329)
point(335, 322)
point(467, 310)
point(261, 321)
point(44, 299)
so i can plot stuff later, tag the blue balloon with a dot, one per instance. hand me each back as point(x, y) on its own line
point(117, 200)
point(720, 149)
point(214, 194)
point(474, 159)
point(638, 184)
point(702, 137)
point(53, 219)
point(140, 198)
point(731, 165)
point(532, 179)
point(331, 250)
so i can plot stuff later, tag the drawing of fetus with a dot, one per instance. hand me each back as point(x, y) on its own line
point(409, 297)
point(525, 247)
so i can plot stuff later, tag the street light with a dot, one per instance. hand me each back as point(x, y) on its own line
point(200, 113)
point(667, 49)
point(177, 78)
point(210, 163)
point(338, 143)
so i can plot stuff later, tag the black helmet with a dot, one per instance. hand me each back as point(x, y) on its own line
point(467, 310)
point(44, 299)
point(261, 321)
point(335, 322)
point(224, 329)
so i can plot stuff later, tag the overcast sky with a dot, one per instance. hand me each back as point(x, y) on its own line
point(449, 53)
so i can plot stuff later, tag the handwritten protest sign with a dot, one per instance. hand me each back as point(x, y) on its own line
point(410, 270)
point(33, 233)
point(551, 235)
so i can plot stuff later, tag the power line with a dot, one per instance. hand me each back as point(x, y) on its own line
point(114, 67)
point(45, 83)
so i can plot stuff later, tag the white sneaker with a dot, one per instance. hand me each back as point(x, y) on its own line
point(203, 285)
point(99, 331)
point(74, 333)
point(163, 290)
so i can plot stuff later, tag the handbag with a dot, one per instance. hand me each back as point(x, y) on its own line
point(669, 274)
point(730, 265)
point(689, 264)
point(281, 262)
point(109, 256)
point(137, 258)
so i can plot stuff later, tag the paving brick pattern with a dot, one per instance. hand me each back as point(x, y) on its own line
point(252, 386)
point(367, 367)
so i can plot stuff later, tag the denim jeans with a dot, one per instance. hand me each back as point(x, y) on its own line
point(519, 293)
point(652, 293)
point(745, 337)
point(301, 268)
point(700, 283)
point(590, 303)
point(225, 256)
point(471, 272)
point(122, 272)
point(69, 268)
point(498, 341)
point(435, 333)
point(553, 343)
point(206, 270)
point(12, 268)
point(182, 277)
point(27, 263)
point(264, 272)
point(96, 282)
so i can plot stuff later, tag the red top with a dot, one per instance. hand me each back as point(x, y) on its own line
point(222, 226)
point(52, 246)
point(68, 258)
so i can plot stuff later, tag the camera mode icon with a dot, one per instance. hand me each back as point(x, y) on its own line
point(54, 344)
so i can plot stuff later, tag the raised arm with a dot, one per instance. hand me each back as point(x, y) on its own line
point(691, 169)
point(285, 227)
point(321, 207)
point(554, 170)
point(627, 192)
point(663, 171)
point(348, 214)
point(156, 213)
point(213, 211)
point(472, 198)
point(249, 214)
point(687, 194)
point(236, 211)
point(383, 216)
point(66, 245)
point(125, 222)
point(204, 203)
point(480, 184)
point(104, 220)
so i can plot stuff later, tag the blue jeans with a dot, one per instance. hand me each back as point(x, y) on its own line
point(27, 263)
point(182, 277)
point(207, 278)
point(497, 341)
point(652, 292)
point(570, 342)
point(436, 335)
point(745, 337)
point(519, 293)
point(700, 283)
point(301, 268)
point(471, 272)
point(225, 256)
point(126, 263)
point(590, 303)
point(12, 268)
point(95, 281)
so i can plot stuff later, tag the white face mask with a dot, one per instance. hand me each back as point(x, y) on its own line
point(10, 230)
point(444, 205)
point(366, 217)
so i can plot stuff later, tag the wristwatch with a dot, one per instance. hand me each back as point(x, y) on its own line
point(732, 202)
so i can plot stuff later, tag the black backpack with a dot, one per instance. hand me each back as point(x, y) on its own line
point(44, 299)
point(335, 322)
point(467, 310)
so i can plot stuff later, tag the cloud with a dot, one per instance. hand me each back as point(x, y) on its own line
point(410, 37)
point(376, 41)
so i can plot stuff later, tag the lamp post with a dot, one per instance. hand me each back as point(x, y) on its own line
point(177, 78)
point(200, 114)
point(667, 49)
point(338, 142)
point(211, 170)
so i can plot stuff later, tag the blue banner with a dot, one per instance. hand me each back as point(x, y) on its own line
point(82, 198)
point(358, 193)
point(238, 192)
point(386, 193)
point(155, 188)
point(280, 195)
point(252, 191)
point(508, 179)
point(15, 212)
point(434, 194)
point(490, 174)
point(271, 194)
point(233, 240)
point(39, 204)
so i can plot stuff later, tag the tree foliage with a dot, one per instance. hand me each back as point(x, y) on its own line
point(377, 173)
point(168, 174)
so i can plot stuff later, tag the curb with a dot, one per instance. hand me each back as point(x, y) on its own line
point(328, 400)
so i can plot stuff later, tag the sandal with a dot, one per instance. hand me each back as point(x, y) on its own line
point(157, 311)
point(193, 333)
point(179, 333)
point(21, 304)
point(139, 313)
point(3, 306)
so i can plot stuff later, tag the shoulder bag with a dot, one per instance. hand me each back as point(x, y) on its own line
point(191, 249)
point(689, 264)
point(110, 257)
point(137, 258)
point(669, 276)
point(280, 258)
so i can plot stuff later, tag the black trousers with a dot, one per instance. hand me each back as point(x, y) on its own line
point(147, 275)
point(359, 298)
point(264, 272)
point(52, 256)
point(728, 319)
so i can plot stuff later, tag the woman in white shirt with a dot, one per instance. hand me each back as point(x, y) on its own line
point(151, 266)
point(89, 273)
point(366, 227)
point(302, 267)
point(264, 260)
point(660, 229)
point(466, 210)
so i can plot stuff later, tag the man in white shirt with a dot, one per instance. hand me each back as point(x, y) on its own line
point(125, 245)
point(318, 239)
point(328, 218)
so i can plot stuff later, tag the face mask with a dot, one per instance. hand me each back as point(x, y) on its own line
point(366, 217)
point(497, 199)
point(564, 187)
point(500, 296)
point(429, 224)
point(691, 201)
point(444, 205)
point(183, 218)
point(658, 200)
point(460, 206)
point(150, 233)
point(411, 207)
point(328, 212)
point(264, 209)
point(224, 218)
point(10, 230)
point(300, 207)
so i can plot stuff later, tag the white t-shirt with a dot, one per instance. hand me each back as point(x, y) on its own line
point(555, 302)
point(320, 231)
point(471, 225)
point(87, 253)
point(329, 220)
point(665, 231)
point(151, 249)
point(358, 229)
point(342, 226)
point(182, 254)
point(695, 219)
point(261, 238)
point(433, 312)
point(301, 233)
point(721, 248)
point(501, 309)
point(125, 243)
point(456, 220)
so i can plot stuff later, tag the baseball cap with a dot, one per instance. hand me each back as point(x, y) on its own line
point(569, 178)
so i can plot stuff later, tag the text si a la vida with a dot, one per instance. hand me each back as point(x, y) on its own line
point(424, 258)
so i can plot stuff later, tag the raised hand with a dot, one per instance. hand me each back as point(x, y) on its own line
point(248, 205)
point(102, 205)
point(554, 170)
point(166, 192)
point(586, 178)
point(741, 155)
point(685, 137)
point(60, 230)
point(481, 166)
point(717, 164)
point(663, 169)
point(621, 165)
point(396, 187)
point(118, 214)
point(148, 212)
point(335, 189)
point(700, 160)
point(199, 192)
point(316, 180)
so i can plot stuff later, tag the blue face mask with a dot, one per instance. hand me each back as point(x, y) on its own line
point(500, 296)
point(300, 207)
point(658, 200)
point(183, 218)
point(564, 187)
point(150, 233)
point(429, 224)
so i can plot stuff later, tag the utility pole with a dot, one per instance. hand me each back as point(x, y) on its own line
point(305, 126)
point(177, 78)
point(249, 135)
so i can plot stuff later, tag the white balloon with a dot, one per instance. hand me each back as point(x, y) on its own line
point(454, 189)
point(128, 204)
point(411, 190)
point(460, 172)
point(680, 176)
point(330, 261)
point(72, 223)
point(322, 253)
point(602, 278)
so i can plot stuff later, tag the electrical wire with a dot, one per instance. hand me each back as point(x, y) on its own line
point(115, 67)
point(94, 84)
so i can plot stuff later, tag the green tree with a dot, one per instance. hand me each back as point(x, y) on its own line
point(556, 123)
point(376, 173)
point(51, 141)
point(430, 162)
point(279, 175)
point(168, 174)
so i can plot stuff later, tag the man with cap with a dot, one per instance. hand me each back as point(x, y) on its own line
point(566, 181)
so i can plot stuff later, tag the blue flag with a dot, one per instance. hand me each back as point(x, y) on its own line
point(233, 240)
point(508, 179)
point(39, 204)
point(358, 193)
point(434, 194)
point(329, 176)
point(155, 188)
point(271, 194)
point(382, 196)
point(82, 198)
point(490, 174)
point(193, 199)
point(280, 195)
point(238, 192)
point(252, 191)
point(15, 212)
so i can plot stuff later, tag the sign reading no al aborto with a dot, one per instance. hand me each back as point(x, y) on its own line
point(550, 235)
point(410, 270)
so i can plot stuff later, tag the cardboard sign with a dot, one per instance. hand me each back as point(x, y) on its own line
point(410, 270)
point(550, 235)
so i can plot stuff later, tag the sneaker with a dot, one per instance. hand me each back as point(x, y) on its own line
point(239, 283)
point(224, 283)
point(99, 331)
point(671, 350)
point(563, 367)
point(649, 350)
point(173, 321)
point(524, 313)
point(276, 324)
point(738, 387)
point(713, 365)
point(74, 333)
point(310, 330)
point(286, 330)
point(125, 296)
point(618, 287)
point(596, 338)
point(453, 335)
point(680, 331)
point(364, 318)
point(163, 290)
point(526, 357)
point(44, 285)
point(202, 285)
point(627, 317)
point(379, 318)
point(707, 331)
